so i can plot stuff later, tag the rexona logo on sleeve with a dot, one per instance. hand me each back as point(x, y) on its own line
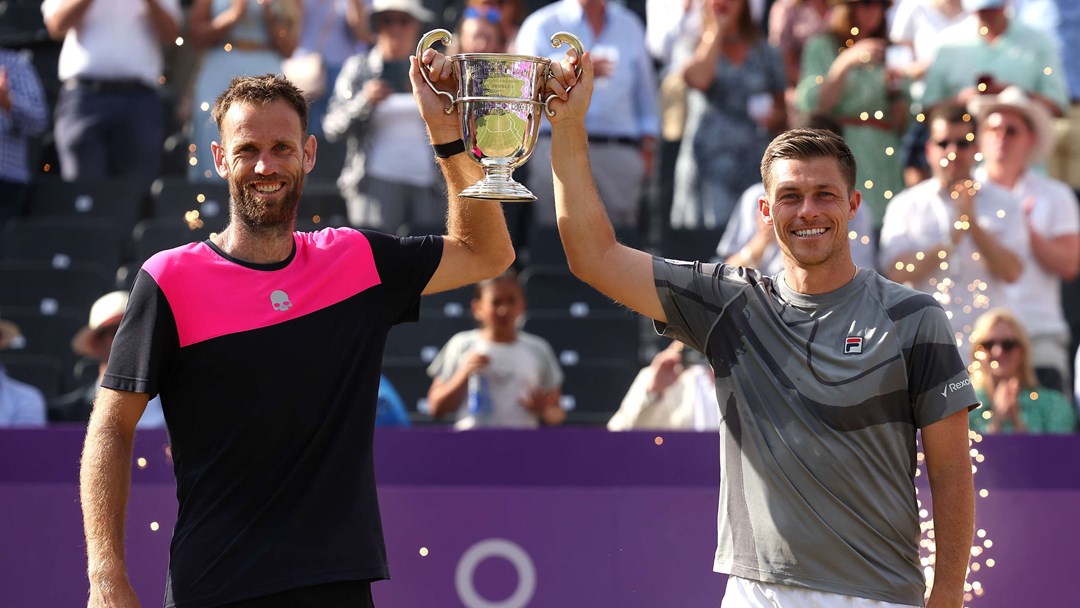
point(952, 387)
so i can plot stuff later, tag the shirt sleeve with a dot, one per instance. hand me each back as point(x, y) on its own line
point(405, 264)
point(694, 295)
point(938, 380)
point(145, 343)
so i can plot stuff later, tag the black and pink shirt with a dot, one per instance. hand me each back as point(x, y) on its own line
point(268, 376)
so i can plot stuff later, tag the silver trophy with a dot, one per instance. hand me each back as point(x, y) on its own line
point(499, 98)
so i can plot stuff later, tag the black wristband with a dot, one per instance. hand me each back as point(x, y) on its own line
point(449, 149)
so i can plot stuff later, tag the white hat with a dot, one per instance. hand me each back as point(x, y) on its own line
point(1013, 98)
point(106, 311)
point(410, 7)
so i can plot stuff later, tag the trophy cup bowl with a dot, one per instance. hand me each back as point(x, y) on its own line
point(499, 98)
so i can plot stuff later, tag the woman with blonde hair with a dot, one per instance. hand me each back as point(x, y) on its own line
point(1012, 400)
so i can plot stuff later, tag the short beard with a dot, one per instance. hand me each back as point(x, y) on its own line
point(257, 216)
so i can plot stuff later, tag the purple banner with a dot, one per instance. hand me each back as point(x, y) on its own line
point(558, 517)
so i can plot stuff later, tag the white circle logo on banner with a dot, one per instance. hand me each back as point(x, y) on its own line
point(495, 547)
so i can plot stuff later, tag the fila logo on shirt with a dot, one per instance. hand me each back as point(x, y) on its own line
point(853, 345)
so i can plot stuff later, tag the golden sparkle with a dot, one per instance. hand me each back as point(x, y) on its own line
point(140, 462)
point(659, 440)
point(423, 551)
point(879, 115)
point(228, 47)
point(1048, 70)
point(889, 151)
point(864, 116)
point(154, 526)
point(868, 184)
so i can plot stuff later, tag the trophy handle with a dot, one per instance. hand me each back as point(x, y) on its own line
point(426, 41)
point(575, 42)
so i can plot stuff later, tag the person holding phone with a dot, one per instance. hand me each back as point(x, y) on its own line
point(853, 87)
point(372, 109)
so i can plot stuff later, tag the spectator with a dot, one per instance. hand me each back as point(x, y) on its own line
point(854, 87)
point(989, 51)
point(389, 408)
point(1016, 134)
point(624, 118)
point(984, 53)
point(672, 393)
point(1011, 398)
point(372, 109)
point(240, 38)
point(508, 378)
point(95, 341)
point(334, 30)
point(21, 405)
point(480, 31)
point(949, 236)
point(109, 118)
point(1065, 164)
point(792, 23)
point(23, 116)
point(749, 241)
point(735, 104)
point(916, 32)
point(508, 13)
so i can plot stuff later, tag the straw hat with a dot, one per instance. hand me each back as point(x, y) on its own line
point(106, 311)
point(1015, 99)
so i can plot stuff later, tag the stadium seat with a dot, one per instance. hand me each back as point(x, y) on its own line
point(329, 160)
point(553, 289)
point(157, 234)
point(42, 371)
point(593, 390)
point(174, 197)
point(47, 334)
point(329, 207)
point(421, 341)
point(61, 241)
point(697, 244)
point(578, 340)
point(46, 289)
point(453, 303)
point(116, 200)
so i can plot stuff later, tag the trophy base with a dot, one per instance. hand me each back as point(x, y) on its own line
point(492, 188)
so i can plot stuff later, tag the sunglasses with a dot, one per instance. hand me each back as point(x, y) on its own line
point(491, 15)
point(960, 144)
point(1006, 345)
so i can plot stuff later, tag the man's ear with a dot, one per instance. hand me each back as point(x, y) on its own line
point(763, 209)
point(220, 165)
point(310, 147)
point(854, 204)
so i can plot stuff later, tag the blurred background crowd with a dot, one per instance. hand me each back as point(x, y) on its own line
point(964, 116)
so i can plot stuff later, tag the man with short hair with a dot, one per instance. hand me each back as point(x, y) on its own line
point(109, 118)
point(824, 374)
point(265, 345)
point(1014, 135)
point(952, 236)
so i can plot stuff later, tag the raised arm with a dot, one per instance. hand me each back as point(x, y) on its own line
point(104, 483)
point(477, 244)
point(619, 272)
point(948, 467)
point(66, 16)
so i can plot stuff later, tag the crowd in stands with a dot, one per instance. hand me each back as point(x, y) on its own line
point(964, 117)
